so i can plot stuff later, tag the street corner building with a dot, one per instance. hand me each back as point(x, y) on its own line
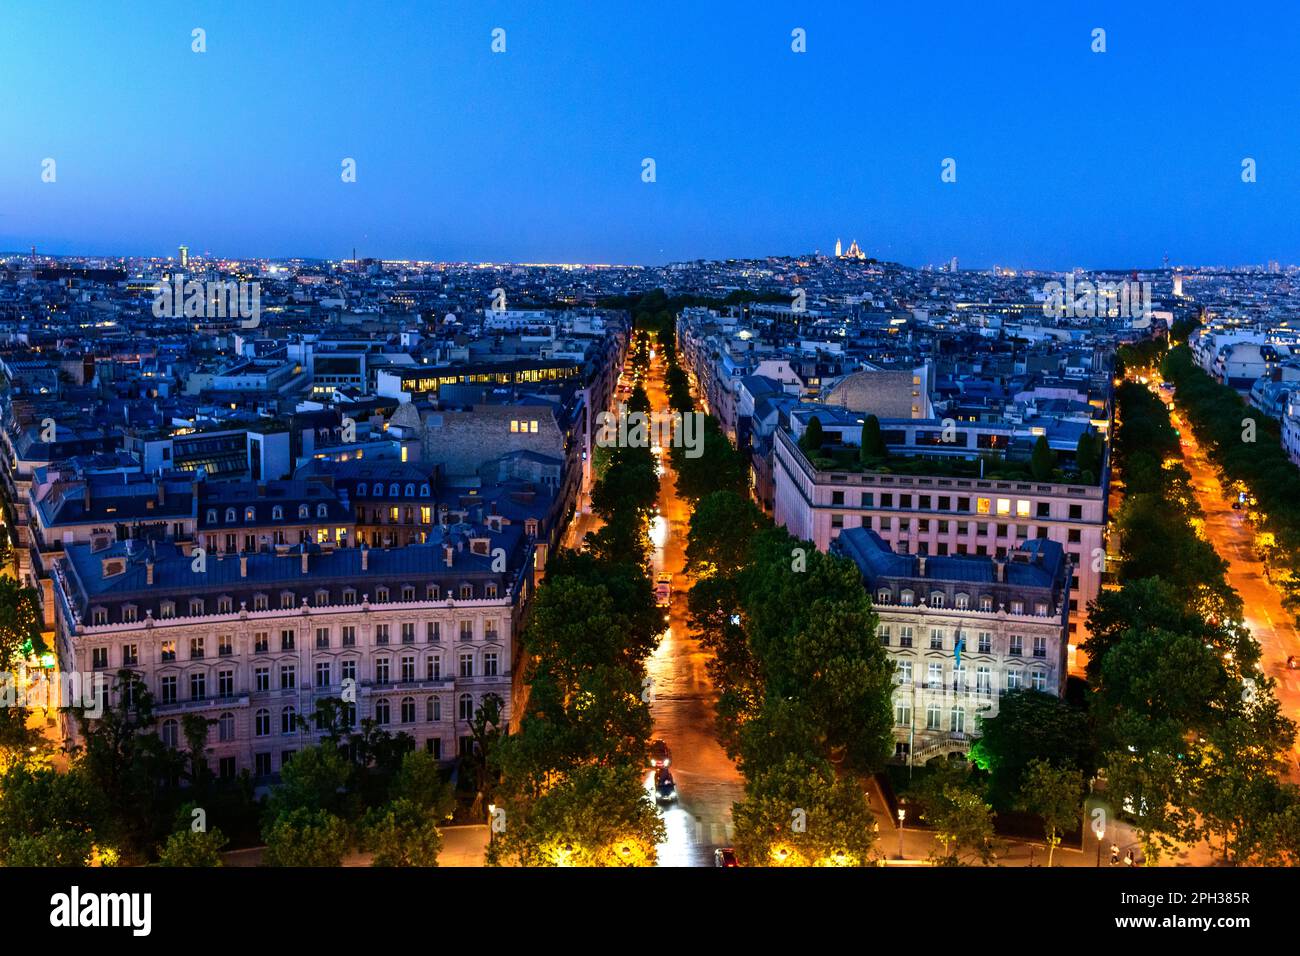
point(963, 631)
point(422, 634)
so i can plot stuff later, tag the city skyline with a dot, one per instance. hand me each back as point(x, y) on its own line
point(535, 154)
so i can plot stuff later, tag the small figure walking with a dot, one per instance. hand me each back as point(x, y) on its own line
point(1128, 858)
point(1114, 854)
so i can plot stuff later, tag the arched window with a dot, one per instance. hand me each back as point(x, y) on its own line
point(424, 491)
point(212, 516)
point(408, 710)
point(962, 602)
point(226, 727)
point(322, 511)
point(466, 707)
point(379, 489)
point(277, 513)
point(262, 723)
point(393, 490)
point(250, 513)
point(361, 489)
point(410, 491)
point(382, 714)
point(289, 720)
point(936, 599)
point(170, 732)
point(230, 516)
point(304, 511)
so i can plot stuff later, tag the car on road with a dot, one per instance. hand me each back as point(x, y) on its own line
point(663, 589)
point(660, 755)
point(665, 788)
point(725, 856)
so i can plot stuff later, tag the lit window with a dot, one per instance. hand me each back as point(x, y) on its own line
point(1004, 506)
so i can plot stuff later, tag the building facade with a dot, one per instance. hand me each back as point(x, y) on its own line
point(413, 638)
point(962, 632)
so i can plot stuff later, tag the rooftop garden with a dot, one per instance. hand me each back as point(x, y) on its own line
point(873, 455)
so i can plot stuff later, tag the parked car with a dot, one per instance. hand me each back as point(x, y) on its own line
point(725, 856)
point(660, 755)
point(663, 589)
point(665, 788)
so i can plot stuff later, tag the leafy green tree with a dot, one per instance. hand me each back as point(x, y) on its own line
point(813, 437)
point(20, 623)
point(717, 465)
point(403, 833)
point(20, 743)
point(593, 816)
point(193, 848)
point(962, 821)
point(1042, 461)
point(798, 812)
point(421, 782)
point(306, 837)
point(316, 779)
point(48, 818)
point(873, 450)
point(1030, 726)
point(1055, 795)
point(722, 526)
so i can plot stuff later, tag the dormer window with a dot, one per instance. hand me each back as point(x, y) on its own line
point(986, 603)
point(130, 613)
point(212, 516)
point(230, 516)
point(431, 592)
point(349, 595)
point(882, 596)
point(196, 607)
point(410, 491)
point(286, 600)
point(530, 527)
point(99, 615)
point(167, 609)
point(379, 489)
point(490, 590)
point(906, 598)
point(322, 511)
point(936, 599)
point(277, 513)
point(381, 594)
point(259, 602)
point(225, 604)
point(361, 489)
point(467, 592)
point(304, 511)
point(250, 513)
point(408, 592)
point(424, 491)
point(322, 597)
point(393, 490)
point(962, 602)
point(1017, 607)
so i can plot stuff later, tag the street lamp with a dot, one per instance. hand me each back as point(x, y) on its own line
point(902, 815)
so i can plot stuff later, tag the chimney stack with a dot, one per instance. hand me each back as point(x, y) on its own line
point(365, 557)
point(920, 565)
point(148, 573)
point(1000, 566)
point(448, 554)
point(304, 562)
point(243, 565)
point(162, 492)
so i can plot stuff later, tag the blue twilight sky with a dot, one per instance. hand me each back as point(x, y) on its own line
point(1064, 157)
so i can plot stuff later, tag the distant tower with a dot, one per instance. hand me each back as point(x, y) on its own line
point(1178, 285)
point(837, 249)
point(33, 257)
point(952, 264)
point(1166, 262)
point(185, 256)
